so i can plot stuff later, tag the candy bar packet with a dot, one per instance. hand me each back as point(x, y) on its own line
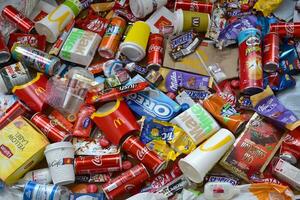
point(267, 105)
point(163, 178)
point(221, 177)
point(184, 44)
point(158, 130)
point(279, 82)
point(93, 147)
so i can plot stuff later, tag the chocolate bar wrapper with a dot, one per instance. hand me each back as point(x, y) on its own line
point(95, 178)
point(253, 149)
point(92, 147)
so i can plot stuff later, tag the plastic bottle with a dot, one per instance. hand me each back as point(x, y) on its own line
point(35, 191)
point(220, 191)
point(41, 176)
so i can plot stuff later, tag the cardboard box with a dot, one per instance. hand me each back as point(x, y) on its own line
point(253, 149)
point(21, 147)
point(226, 58)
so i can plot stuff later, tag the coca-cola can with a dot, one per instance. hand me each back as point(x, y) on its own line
point(53, 131)
point(12, 113)
point(271, 52)
point(4, 52)
point(21, 21)
point(155, 51)
point(98, 164)
point(126, 182)
point(284, 29)
point(135, 148)
point(192, 5)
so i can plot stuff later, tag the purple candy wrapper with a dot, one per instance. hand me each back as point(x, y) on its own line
point(266, 104)
point(230, 33)
point(178, 79)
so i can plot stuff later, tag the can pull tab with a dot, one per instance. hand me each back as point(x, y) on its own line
point(220, 191)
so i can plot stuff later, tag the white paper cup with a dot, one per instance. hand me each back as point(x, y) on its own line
point(60, 159)
point(198, 163)
point(141, 8)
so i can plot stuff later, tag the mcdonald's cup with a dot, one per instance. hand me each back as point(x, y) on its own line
point(33, 93)
point(116, 120)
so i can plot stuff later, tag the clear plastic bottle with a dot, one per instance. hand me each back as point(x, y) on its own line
point(41, 176)
point(35, 191)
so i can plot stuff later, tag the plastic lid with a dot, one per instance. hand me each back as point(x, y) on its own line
point(58, 145)
point(137, 8)
point(289, 157)
point(3, 88)
point(178, 26)
point(132, 51)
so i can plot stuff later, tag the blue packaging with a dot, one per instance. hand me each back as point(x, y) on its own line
point(152, 102)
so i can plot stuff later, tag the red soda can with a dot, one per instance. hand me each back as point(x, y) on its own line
point(250, 63)
point(155, 50)
point(4, 52)
point(98, 164)
point(126, 182)
point(135, 148)
point(12, 113)
point(53, 132)
point(271, 52)
point(21, 21)
point(192, 5)
point(283, 29)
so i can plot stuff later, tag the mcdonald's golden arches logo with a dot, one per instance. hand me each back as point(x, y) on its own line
point(118, 122)
point(39, 90)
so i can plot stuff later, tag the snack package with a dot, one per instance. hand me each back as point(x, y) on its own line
point(158, 130)
point(224, 113)
point(257, 191)
point(253, 149)
point(267, 105)
point(267, 6)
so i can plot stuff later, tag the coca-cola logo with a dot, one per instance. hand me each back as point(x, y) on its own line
point(289, 27)
point(6, 151)
point(155, 48)
point(97, 161)
point(142, 152)
point(129, 187)
point(95, 25)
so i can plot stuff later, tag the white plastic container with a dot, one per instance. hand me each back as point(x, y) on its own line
point(198, 163)
point(60, 159)
point(220, 191)
point(141, 8)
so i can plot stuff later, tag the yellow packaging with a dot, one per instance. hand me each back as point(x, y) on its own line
point(267, 6)
point(21, 147)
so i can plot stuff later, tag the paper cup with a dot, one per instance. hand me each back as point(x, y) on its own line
point(198, 163)
point(187, 20)
point(55, 22)
point(60, 159)
point(135, 44)
point(141, 8)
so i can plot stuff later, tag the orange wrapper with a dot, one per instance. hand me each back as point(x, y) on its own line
point(224, 113)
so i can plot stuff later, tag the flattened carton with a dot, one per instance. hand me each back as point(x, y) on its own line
point(21, 147)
